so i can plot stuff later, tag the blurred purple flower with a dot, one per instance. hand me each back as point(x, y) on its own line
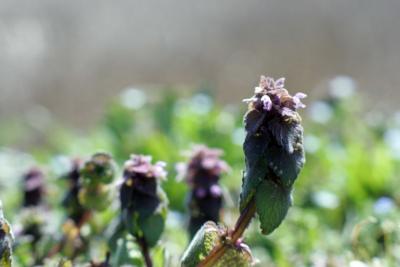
point(202, 159)
point(33, 186)
point(142, 165)
point(202, 173)
point(215, 190)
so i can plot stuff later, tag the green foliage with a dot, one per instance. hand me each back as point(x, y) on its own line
point(351, 165)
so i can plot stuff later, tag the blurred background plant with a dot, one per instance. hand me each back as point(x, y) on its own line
point(346, 202)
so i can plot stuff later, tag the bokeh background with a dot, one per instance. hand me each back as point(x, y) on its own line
point(71, 56)
point(156, 77)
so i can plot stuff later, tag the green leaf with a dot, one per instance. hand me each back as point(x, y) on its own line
point(152, 227)
point(285, 166)
point(255, 147)
point(201, 245)
point(272, 204)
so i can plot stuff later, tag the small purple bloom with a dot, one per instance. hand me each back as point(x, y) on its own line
point(297, 100)
point(271, 95)
point(249, 100)
point(215, 190)
point(264, 82)
point(270, 83)
point(280, 83)
point(287, 112)
point(142, 165)
point(267, 103)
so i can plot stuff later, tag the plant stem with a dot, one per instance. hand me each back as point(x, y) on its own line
point(241, 224)
point(145, 251)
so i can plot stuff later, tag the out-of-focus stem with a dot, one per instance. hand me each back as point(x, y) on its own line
point(145, 251)
point(241, 225)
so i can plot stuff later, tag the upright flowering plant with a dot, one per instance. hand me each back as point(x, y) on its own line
point(143, 202)
point(274, 156)
point(202, 173)
point(273, 151)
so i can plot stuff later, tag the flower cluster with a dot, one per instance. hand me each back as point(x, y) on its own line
point(202, 173)
point(271, 96)
point(141, 165)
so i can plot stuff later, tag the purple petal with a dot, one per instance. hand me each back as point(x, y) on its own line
point(280, 83)
point(297, 102)
point(267, 103)
point(215, 190)
point(270, 83)
point(300, 95)
point(263, 82)
point(140, 168)
point(287, 112)
point(249, 100)
point(209, 163)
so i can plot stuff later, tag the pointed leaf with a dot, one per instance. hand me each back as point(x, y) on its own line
point(272, 204)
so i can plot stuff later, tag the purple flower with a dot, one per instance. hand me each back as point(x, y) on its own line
point(142, 165)
point(202, 159)
point(215, 190)
point(287, 112)
point(271, 96)
point(280, 83)
point(297, 100)
point(267, 103)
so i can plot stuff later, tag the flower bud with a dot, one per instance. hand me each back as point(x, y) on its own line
point(273, 150)
point(100, 168)
point(143, 203)
point(202, 173)
point(97, 173)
